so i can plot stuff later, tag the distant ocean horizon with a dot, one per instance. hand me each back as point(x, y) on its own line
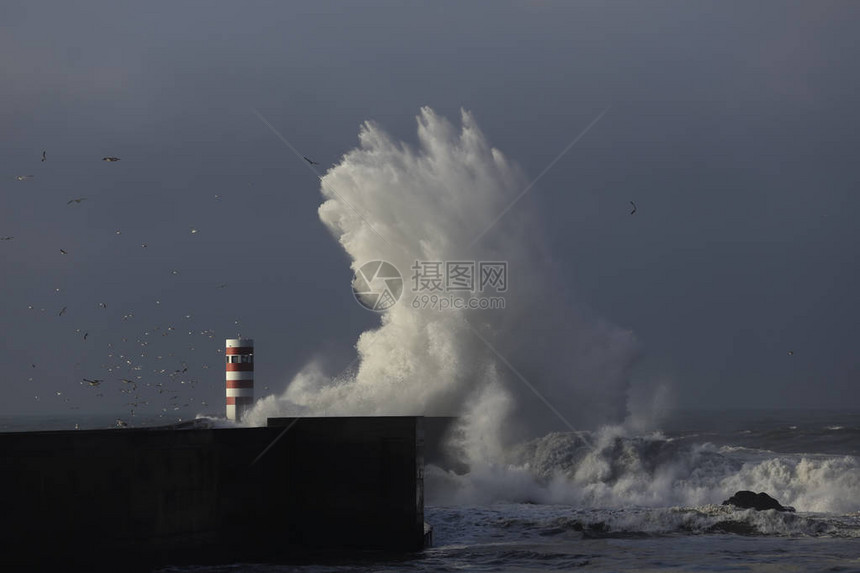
point(84, 421)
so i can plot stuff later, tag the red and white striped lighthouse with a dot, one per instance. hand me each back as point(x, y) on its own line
point(240, 376)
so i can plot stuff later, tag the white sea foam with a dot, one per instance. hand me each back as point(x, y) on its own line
point(611, 469)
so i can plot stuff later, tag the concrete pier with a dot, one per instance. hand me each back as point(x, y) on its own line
point(143, 497)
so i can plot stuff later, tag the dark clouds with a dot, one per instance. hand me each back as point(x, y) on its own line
point(733, 127)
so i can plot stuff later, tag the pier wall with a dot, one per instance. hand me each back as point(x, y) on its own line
point(211, 495)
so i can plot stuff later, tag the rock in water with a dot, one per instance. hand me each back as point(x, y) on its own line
point(759, 501)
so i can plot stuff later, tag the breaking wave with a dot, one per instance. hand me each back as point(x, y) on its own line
point(455, 198)
point(611, 469)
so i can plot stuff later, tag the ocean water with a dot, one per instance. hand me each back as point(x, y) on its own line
point(614, 501)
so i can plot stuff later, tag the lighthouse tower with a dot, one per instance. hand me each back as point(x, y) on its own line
point(240, 376)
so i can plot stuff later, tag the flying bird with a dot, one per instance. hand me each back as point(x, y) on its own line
point(43, 156)
point(103, 304)
point(791, 352)
point(62, 312)
point(312, 162)
point(86, 334)
point(63, 252)
point(110, 159)
point(24, 177)
point(6, 238)
point(92, 382)
point(634, 207)
point(78, 200)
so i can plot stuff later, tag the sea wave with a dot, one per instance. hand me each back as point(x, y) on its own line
point(525, 521)
point(609, 469)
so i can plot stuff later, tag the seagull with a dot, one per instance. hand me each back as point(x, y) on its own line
point(121, 423)
point(110, 159)
point(78, 200)
point(24, 177)
point(634, 207)
point(92, 382)
point(62, 312)
point(43, 156)
point(791, 352)
point(62, 252)
point(6, 238)
point(86, 334)
point(312, 162)
point(103, 304)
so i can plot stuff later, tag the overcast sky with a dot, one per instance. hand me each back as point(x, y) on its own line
point(733, 126)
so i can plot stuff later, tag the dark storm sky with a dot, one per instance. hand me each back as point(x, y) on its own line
point(733, 126)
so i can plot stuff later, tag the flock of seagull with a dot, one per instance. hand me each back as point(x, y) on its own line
point(128, 365)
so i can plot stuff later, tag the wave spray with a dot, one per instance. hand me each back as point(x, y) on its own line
point(497, 369)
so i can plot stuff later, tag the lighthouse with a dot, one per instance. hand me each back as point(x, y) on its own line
point(239, 354)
